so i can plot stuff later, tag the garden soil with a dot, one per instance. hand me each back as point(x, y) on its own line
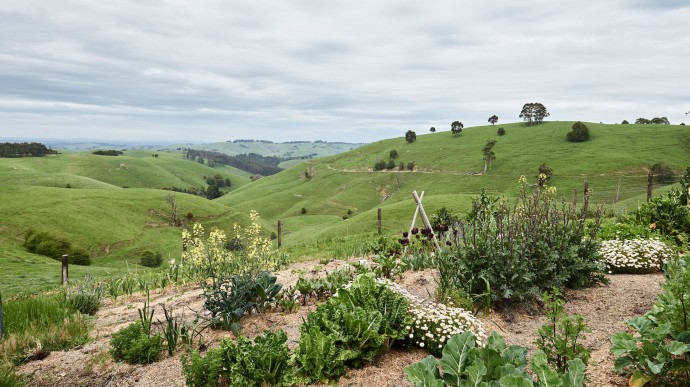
point(605, 308)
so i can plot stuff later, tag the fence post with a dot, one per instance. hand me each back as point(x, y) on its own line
point(379, 222)
point(280, 234)
point(65, 269)
point(2, 327)
point(650, 176)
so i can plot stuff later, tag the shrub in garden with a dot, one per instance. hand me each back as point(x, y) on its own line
point(668, 215)
point(561, 337)
point(635, 256)
point(133, 345)
point(151, 259)
point(207, 256)
point(515, 252)
point(465, 364)
point(658, 350)
point(84, 296)
point(266, 362)
point(353, 327)
point(230, 298)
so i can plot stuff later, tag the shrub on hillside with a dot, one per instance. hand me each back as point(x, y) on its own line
point(379, 165)
point(151, 259)
point(79, 256)
point(579, 132)
point(663, 173)
point(501, 131)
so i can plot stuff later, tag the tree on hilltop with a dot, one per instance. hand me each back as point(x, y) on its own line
point(493, 119)
point(410, 136)
point(456, 128)
point(534, 113)
point(432, 130)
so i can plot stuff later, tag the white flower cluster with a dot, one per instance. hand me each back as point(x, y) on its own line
point(434, 323)
point(635, 255)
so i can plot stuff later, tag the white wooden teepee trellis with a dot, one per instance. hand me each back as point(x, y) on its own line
point(420, 210)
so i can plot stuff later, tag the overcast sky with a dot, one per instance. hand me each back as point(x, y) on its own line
point(354, 71)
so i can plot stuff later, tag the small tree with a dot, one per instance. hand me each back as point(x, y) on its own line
point(533, 113)
point(642, 121)
point(501, 132)
point(379, 165)
point(663, 173)
point(579, 133)
point(390, 164)
point(172, 203)
point(456, 128)
point(432, 130)
point(489, 154)
point(304, 210)
point(546, 171)
point(625, 122)
point(493, 119)
point(393, 154)
point(410, 136)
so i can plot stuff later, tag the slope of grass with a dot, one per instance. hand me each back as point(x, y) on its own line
point(614, 162)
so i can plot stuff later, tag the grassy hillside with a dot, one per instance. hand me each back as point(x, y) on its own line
point(614, 162)
point(113, 223)
point(341, 198)
point(291, 149)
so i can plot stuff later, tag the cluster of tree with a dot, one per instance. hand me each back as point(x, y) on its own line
point(24, 149)
point(250, 140)
point(579, 132)
point(109, 152)
point(380, 165)
point(655, 120)
point(265, 160)
point(533, 113)
point(215, 183)
point(216, 158)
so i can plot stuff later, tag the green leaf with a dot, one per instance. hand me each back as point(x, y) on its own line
point(641, 324)
point(515, 355)
point(546, 376)
point(515, 381)
point(684, 337)
point(495, 342)
point(424, 373)
point(576, 373)
point(622, 363)
point(622, 342)
point(677, 348)
point(455, 356)
point(475, 373)
point(654, 367)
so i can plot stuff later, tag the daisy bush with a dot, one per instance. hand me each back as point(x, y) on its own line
point(433, 323)
point(635, 256)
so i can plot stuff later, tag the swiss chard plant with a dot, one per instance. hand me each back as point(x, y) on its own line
point(495, 364)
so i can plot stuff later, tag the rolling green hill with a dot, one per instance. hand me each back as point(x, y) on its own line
point(614, 162)
point(340, 194)
point(266, 148)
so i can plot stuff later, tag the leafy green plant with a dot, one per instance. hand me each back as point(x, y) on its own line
point(229, 299)
point(266, 362)
point(561, 338)
point(389, 266)
point(515, 252)
point(287, 299)
point(133, 345)
point(318, 357)
point(668, 215)
point(84, 296)
point(465, 364)
point(659, 349)
point(146, 315)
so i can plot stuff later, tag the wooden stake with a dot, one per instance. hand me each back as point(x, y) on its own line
point(574, 198)
point(650, 177)
point(424, 217)
point(65, 269)
point(379, 222)
point(280, 233)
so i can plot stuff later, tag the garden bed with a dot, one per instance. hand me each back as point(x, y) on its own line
point(605, 310)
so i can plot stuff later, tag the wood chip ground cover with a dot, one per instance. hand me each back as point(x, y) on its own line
point(605, 309)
